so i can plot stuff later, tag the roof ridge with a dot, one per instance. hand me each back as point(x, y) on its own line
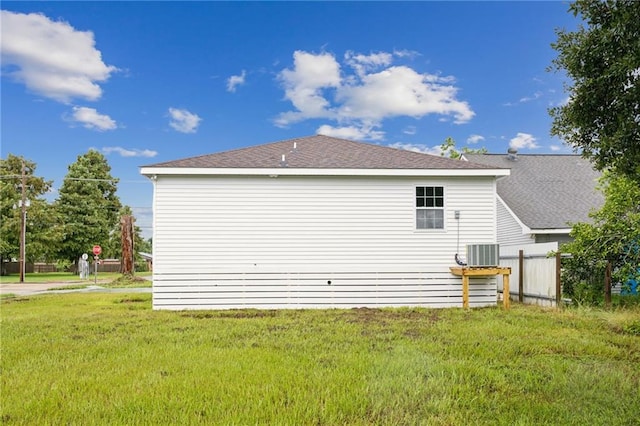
point(321, 152)
point(520, 154)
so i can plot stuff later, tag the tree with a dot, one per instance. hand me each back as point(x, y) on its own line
point(448, 148)
point(602, 115)
point(145, 246)
point(43, 232)
point(88, 205)
point(127, 258)
point(613, 236)
point(116, 245)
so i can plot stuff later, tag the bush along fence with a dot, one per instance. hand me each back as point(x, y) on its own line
point(542, 275)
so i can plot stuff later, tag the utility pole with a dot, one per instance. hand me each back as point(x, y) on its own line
point(23, 223)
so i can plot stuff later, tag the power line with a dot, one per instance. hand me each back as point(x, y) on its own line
point(79, 179)
point(107, 180)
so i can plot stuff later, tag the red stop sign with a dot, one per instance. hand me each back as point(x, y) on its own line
point(97, 250)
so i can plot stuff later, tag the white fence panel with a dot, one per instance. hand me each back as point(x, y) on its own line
point(539, 272)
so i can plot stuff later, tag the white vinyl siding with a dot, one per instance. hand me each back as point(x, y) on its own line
point(509, 230)
point(270, 242)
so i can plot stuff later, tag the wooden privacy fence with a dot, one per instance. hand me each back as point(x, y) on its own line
point(535, 276)
point(8, 268)
point(14, 267)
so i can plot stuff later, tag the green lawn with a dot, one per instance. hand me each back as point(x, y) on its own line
point(47, 277)
point(109, 359)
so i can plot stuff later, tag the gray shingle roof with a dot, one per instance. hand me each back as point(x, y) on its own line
point(321, 152)
point(546, 191)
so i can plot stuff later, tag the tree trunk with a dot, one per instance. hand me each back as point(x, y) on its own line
point(126, 225)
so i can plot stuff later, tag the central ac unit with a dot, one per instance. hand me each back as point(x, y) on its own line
point(483, 255)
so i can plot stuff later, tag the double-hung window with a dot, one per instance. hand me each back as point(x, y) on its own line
point(430, 207)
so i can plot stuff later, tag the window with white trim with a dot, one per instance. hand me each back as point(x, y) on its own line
point(430, 207)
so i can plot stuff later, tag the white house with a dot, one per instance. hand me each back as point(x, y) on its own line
point(318, 222)
point(543, 195)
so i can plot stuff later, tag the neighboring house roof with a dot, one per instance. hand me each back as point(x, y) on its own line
point(546, 192)
point(145, 256)
point(320, 152)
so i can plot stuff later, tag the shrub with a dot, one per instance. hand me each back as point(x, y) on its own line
point(614, 236)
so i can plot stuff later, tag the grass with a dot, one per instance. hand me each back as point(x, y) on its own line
point(71, 287)
point(123, 281)
point(128, 281)
point(107, 280)
point(47, 277)
point(109, 359)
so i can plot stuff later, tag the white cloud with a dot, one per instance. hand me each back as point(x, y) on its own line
point(52, 58)
point(129, 152)
point(304, 86)
point(363, 63)
point(555, 148)
point(530, 98)
point(410, 130)
point(184, 121)
point(235, 81)
point(475, 139)
point(401, 91)
point(91, 119)
point(424, 149)
point(350, 132)
point(411, 54)
point(560, 103)
point(523, 140)
point(319, 89)
point(525, 99)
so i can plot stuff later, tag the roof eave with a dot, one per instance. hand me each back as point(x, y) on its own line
point(285, 171)
point(550, 230)
point(527, 230)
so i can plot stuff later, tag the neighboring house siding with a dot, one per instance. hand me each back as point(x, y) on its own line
point(261, 242)
point(509, 230)
point(544, 194)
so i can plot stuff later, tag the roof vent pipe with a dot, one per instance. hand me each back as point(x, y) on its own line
point(512, 154)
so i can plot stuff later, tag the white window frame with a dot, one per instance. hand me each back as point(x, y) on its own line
point(422, 206)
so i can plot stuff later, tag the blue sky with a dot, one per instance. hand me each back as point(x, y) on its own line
point(145, 82)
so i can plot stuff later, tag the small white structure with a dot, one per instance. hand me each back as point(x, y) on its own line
point(318, 222)
point(83, 266)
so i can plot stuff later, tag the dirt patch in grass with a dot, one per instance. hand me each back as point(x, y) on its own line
point(12, 298)
point(131, 300)
point(248, 314)
point(128, 281)
point(382, 316)
point(231, 314)
point(70, 287)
